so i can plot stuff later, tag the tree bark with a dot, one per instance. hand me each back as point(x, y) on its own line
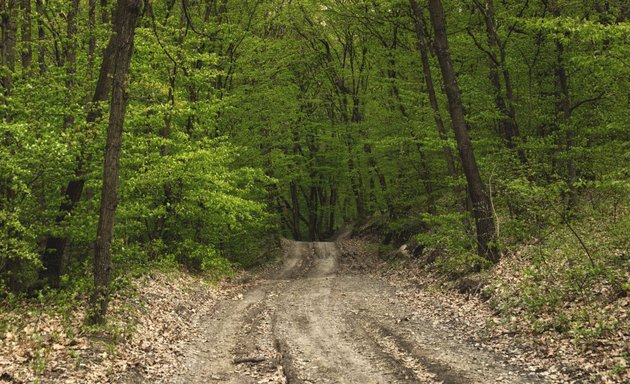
point(8, 15)
point(91, 38)
point(125, 20)
point(482, 211)
point(54, 250)
point(71, 56)
point(504, 100)
point(565, 111)
point(27, 39)
point(105, 12)
point(428, 79)
point(295, 211)
point(423, 46)
point(41, 37)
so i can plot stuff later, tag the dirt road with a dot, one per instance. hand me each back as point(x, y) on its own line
point(309, 323)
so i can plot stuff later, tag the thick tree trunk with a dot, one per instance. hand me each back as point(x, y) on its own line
point(125, 20)
point(423, 47)
point(54, 250)
point(486, 230)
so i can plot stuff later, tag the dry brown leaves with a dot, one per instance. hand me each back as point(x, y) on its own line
point(139, 341)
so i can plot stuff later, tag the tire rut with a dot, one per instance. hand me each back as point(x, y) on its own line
point(425, 369)
point(312, 324)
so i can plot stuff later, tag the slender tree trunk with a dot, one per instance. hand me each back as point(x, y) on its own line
point(165, 132)
point(41, 37)
point(428, 79)
point(359, 85)
point(332, 204)
point(499, 72)
point(91, 38)
point(504, 105)
point(356, 180)
point(125, 20)
point(295, 211)
point(565, 110)
point(482, 211)
point(27, 39)
point(105, 11)
point(356, 183)
point(312, 203)
point(8, 15)
point(71, 57)
point(394, 91)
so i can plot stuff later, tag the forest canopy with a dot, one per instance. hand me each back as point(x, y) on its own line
point(198, 132)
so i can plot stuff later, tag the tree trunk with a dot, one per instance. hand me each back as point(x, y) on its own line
point(565, 111)
point(486, 230)
point(91, 38)
point(332, 203)
point(8, 15)
point(504, 100)
point(125, 20)
point(423, 47)
point(312, 203)
point(71, 56)
point(27, 50)
point(428, 79)
point(52, 258)
point(9, 32)
point(105, 12)
point(295, 211)
point(41, 37)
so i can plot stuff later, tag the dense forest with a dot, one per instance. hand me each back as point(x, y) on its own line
point(198, 133)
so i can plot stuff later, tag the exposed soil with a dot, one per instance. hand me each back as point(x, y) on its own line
point(311, 322)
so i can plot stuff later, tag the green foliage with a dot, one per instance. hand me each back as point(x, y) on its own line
point(294, 118)
point(561, 290)
point(187, 197)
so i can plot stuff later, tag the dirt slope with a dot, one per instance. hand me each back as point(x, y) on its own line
point(308, 323)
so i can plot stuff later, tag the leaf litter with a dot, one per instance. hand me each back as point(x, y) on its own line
point(138, 344)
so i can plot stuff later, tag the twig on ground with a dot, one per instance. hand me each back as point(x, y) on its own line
point(251, 359)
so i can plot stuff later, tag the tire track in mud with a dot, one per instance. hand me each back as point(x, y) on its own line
point(209, 359)
point(313, 325)
point(417, 358)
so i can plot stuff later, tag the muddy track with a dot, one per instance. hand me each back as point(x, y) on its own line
point(307, 323)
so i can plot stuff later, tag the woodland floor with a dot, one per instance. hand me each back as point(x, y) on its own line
point(329, 313)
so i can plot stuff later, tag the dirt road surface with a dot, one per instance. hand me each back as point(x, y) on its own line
point(310, 323)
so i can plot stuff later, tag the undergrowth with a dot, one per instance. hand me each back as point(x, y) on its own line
point(562, 271)
point(558, 287)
